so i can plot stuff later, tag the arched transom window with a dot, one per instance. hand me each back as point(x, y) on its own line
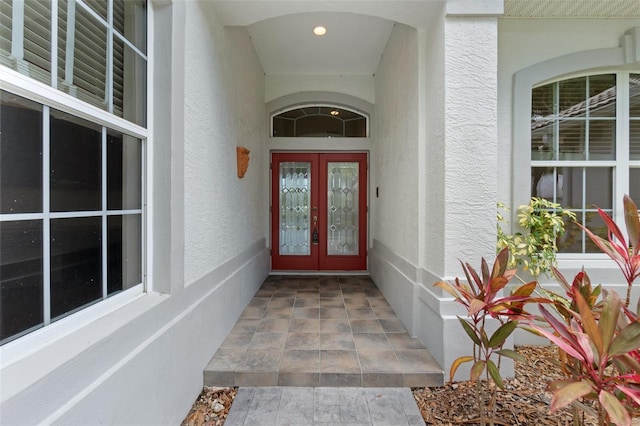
point(324, 121)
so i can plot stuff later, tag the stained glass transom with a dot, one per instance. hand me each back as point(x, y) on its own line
point(342, 212)
point(295, 193)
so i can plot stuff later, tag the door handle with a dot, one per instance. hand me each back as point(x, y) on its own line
point(315, 237)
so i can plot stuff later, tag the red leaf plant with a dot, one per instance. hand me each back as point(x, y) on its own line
point(625, 253)
point(480, 295)
point(599, 342)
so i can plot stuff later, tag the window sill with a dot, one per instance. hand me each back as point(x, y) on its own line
point(588, 261)
point(28, 359)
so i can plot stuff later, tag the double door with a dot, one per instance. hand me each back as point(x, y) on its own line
point(319, 211)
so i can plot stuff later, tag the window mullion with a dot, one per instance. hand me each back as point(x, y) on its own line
point(54, 44)
point(109, 80)
point(556, 127)
point(587, 119)
point(583, 208)
point(46, 215)
point(143, 216)
point(621, 177)
point(104, 214)
point(71, 30)
point(17, 30)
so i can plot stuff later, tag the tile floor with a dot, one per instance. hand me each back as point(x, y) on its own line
point(336, 331)
point(323, 406)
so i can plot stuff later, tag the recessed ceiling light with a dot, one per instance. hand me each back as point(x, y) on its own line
point(335, 112)
point(319, 30)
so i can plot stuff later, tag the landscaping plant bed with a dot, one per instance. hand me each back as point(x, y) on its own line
point(523, 402)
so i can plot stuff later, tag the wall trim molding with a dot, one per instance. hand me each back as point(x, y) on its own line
point(128, 334)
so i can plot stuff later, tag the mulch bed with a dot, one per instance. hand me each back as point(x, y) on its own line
point(523, 402)
point(211, 408)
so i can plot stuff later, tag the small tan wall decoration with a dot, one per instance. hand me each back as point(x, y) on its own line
point(243, 160)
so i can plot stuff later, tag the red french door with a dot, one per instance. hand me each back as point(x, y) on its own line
point(319, 211)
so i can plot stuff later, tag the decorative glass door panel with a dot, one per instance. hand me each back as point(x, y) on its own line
point(342, 212)
point(295, 206)
point(319, 211)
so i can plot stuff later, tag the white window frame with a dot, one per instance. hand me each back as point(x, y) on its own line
point(616, 60)
point(47, 95)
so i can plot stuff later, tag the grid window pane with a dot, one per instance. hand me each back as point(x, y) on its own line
point(76, 164)
point(98, 6)
point(634, 185)
point(124, 157)
point(602, 140)
point(573, 237)
point(596, 225)
point(602, 95)
point(572, 187)
point(599, 187)
point(548, 183)
point(542, 141)
point(76, 265)
point(31, 55)
point(21, 280)
point(572, 95)
point(20, 155)
point(130, 20)
point(129, 84)
point(82, 54)
point(634, 139)
point(124, 255)
point(634, 95)
point(542, 104)
point(572, 140)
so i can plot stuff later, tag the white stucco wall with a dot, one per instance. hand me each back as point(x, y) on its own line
point(139, 359)
point(469, 152)
point(359, 86)
point(471, 139)
point(432, 50)
point(224, 107)
point(437, 128)
point(394, 130)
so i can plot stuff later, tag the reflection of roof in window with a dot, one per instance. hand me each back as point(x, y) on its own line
point(601, 100)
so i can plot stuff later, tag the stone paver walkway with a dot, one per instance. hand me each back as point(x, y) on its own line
point(321, 332)
point(266, 406)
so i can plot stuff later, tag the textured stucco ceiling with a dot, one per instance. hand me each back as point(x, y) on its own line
point(358, 30)
point(353, 44)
